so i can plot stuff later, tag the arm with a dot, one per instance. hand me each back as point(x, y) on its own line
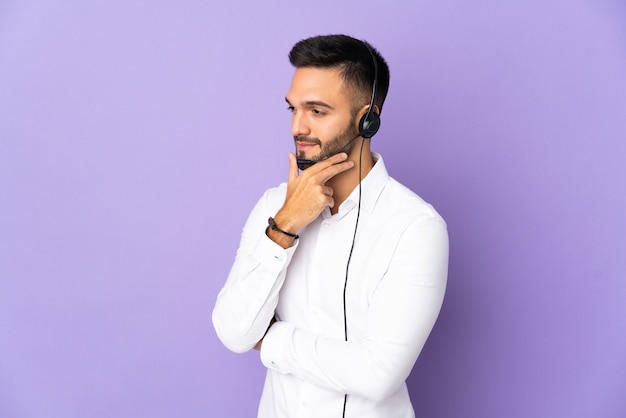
point(246, 303)
point(401, 315)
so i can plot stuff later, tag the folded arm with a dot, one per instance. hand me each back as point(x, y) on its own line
point(401, 315)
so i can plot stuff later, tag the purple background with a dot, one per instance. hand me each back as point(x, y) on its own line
point(136, 136)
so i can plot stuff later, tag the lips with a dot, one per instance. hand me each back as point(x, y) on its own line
point(305, 146)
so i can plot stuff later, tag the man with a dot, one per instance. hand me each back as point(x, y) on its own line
point(341, 287)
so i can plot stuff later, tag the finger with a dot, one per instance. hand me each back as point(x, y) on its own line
point(335, 169)
point(324, 164)
point(293, 166)
point(337, 158)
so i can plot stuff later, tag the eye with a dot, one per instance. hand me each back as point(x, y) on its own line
point(318, 112)
point(291, 109)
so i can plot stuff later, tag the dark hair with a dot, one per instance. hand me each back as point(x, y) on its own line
point(352, 57)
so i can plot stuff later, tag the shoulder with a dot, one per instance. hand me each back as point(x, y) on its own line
point(272, 199)
point(397, 200)
point(276, 193)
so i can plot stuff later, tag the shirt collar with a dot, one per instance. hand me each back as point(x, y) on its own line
point(371, 187)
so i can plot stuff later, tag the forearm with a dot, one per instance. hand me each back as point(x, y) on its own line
point(373, 366)
point(246, 303)
point(377, 358)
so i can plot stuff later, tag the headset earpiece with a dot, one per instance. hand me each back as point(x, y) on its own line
point(369, 124)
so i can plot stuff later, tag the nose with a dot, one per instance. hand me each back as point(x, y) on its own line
point(299, 124)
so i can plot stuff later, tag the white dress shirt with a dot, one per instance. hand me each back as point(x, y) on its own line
point(394, 291)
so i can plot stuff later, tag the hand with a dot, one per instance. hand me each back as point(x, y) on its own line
point(307, 192)
point(259, 344)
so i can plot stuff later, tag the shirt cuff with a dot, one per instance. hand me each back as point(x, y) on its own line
point(268, 249)
point(275, 350)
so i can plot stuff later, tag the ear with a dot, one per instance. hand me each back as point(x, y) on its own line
point(363, 110)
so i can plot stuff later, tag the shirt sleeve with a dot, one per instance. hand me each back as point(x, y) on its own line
point(401, 315)
point(246, 303)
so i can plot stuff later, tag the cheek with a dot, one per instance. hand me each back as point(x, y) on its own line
point(328, 128)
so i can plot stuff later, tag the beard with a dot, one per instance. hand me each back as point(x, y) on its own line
point(342, 142)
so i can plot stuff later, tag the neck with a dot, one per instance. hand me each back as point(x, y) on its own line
point(344, 183)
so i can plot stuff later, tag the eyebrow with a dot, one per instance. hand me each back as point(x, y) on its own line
point(313, 103)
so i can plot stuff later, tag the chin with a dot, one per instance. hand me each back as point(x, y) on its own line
point(303, 156)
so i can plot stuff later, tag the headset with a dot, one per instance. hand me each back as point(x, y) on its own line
point(369, 123)
point(368, 126)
